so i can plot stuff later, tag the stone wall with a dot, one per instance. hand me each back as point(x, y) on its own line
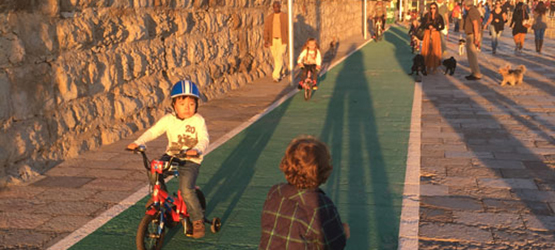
point(78, 74)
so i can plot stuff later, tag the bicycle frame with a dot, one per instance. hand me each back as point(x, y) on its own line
point(161, 199)
point(308, 80)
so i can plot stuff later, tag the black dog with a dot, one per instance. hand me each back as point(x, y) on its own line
point(450, 66)
point(418, 65)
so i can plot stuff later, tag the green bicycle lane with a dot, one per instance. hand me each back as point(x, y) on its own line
point(362, 111)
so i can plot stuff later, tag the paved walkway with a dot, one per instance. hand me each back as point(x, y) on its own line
point(70, 195)
point(487, 168)
point(488, 153)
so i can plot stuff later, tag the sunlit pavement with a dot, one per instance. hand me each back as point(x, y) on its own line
point(488, 153)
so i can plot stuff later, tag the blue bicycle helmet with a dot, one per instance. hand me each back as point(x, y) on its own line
point(185, 88)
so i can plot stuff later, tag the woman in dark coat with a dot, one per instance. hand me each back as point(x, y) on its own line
point(431, 44)
point(517, 24)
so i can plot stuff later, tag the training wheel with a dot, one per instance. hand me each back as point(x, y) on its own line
point(216, 225)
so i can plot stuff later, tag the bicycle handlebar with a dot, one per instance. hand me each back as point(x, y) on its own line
point(182, 154)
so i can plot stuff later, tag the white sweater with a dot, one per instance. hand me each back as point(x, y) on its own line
point(190, 133)
point(310, 57)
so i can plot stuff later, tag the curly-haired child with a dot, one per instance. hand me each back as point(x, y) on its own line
point(298, 214)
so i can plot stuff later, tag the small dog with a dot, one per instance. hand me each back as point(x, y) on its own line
point(418, 65)
point(462, 43)
point(512, 76)
point(450, 65)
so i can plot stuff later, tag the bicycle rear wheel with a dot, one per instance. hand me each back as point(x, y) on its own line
point(148, 237)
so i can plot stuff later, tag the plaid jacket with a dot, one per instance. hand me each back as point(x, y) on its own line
point(300, 219)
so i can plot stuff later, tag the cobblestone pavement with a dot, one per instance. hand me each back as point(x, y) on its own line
point(65, 198)
point(488, 153)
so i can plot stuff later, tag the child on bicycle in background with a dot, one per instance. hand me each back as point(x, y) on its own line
point(186, 130)
point(310, 59)
point(414, 42)
point(298, 214)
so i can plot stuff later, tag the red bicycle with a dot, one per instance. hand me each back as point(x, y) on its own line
point(164, 210)
point(308, 85)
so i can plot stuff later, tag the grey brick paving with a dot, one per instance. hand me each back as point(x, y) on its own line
point(499, 161)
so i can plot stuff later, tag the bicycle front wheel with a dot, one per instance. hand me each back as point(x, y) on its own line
point(148, 237)
point(307, 93)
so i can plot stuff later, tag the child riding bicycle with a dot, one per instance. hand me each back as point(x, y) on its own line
point(414, 41)
point(310, 59)
point(186, 130)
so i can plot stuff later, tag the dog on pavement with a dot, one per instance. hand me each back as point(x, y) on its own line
point(418, 66)
point(462, 43)
point(512, 76)
point(450, 66)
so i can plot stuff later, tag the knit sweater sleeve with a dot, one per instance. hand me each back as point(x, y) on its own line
point(203, 137)
point(154, 132)
point(301, 57)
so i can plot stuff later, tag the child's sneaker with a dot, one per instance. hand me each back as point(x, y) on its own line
point(198, 229)
point(314, 87)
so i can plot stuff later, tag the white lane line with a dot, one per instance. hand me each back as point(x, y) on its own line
point(408, 228)
point(114, 211)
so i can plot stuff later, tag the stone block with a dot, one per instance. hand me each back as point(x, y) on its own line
point(13, 52)
point(433, 190)
point(498, 164)
point(470, 171)
point(539, 222)
point(65, 223)
point(81, 208)
point(454, 232)
point(75, 33)
point(64, 194)
point(508, 183)
point(36, 34)
point(435, 215)
point(114, 184)
point(18, 220)
point(490, 220)
point(24, 239)
point(33, 93)
point(454, 203)
point(480, 193)
point(534, 195)
point(63, 181)
point(459, 182)
point(523, 239)
point(515, 156)
point(516, 207)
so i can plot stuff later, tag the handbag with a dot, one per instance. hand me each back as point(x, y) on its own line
point(526, 22)
point(420, 32)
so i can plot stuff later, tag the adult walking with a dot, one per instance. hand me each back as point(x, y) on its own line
point(472, 28)
point(519, 28)
point(540, 25)
point(497, 19)
point(456, 14)
point(276, 36)
point(431, 44)
point(443, 11)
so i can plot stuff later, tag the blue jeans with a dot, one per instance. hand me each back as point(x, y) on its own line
point(538, 33)
point(494, 37)
point(188, 174)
